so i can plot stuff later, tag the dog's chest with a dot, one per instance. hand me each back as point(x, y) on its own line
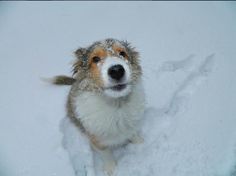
point(112, 121)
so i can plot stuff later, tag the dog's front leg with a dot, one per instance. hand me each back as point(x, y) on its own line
point(109, 162)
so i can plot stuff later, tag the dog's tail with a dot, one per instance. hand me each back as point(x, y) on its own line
point(60, 80)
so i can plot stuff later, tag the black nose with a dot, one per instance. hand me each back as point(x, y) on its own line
point(116, 72)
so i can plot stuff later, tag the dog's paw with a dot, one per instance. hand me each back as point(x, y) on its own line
point(109, 168)
point(136, 139)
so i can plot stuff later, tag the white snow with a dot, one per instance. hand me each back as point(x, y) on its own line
point(188, 56)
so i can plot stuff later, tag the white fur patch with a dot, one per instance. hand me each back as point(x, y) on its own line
point(109, 62)
point(113, 121)
point(108, 82)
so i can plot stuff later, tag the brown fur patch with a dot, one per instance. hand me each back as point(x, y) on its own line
point(95, 74)
point(94, 70)
point(99, 52)
point(117, 49)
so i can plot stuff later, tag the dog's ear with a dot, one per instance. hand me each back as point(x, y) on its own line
point(81, 53)
point(80, 62)
point(131, 50)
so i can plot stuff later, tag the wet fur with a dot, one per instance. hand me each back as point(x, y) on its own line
point(106, 121)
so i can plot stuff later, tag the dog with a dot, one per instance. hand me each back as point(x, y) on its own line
point(106, 100)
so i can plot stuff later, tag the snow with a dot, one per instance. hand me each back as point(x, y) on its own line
point(188, 56)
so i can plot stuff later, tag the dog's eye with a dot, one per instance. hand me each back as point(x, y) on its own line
point(123, 54)
point(96, 59)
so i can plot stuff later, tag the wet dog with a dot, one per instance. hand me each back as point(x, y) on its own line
point(106, 101)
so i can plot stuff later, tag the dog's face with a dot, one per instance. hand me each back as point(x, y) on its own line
point(110, 66)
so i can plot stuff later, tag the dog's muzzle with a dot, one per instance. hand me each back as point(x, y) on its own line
point(116, 75)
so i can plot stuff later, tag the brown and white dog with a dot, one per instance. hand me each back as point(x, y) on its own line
point(106, 100)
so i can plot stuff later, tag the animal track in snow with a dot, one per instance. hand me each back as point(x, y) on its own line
point(190, 83)
point(183, 64)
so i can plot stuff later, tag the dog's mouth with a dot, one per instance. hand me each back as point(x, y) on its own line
point(118, 87)
point(118, 90)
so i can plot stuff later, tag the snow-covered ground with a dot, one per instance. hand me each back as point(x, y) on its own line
point(188, 54)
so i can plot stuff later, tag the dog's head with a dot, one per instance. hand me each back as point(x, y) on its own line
point(109, 66)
